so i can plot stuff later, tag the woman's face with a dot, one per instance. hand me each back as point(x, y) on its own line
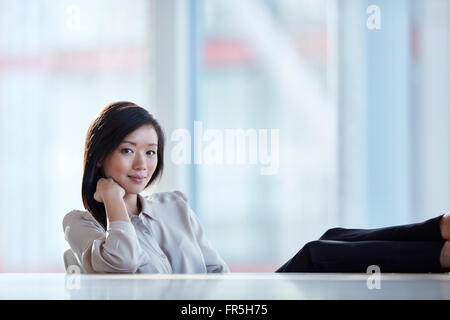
point(133, 162)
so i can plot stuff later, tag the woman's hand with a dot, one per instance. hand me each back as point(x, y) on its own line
point(107, 187)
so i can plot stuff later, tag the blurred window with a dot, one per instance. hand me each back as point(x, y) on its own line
point(60, 63)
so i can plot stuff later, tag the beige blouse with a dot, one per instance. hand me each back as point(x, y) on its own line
point(166, 237)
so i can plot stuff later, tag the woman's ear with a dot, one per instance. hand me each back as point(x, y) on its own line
point(99, 164)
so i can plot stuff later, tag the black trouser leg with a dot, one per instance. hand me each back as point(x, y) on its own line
point(357, 256)
point(408, 248)
point(301, 262)
point(428, 230)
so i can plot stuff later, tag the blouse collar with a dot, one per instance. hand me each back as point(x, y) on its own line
point(146, 207)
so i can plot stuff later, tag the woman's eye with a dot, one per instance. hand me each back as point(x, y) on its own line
point(126, 150)
point(151, 152)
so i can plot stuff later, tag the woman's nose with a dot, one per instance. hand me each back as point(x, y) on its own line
point(139, 162)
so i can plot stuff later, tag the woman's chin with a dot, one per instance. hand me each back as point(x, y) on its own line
point(134, 190)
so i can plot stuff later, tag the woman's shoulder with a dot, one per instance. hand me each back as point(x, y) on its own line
point(78, 216)
point(169, 206)
point(164, 205)
point(175, 195)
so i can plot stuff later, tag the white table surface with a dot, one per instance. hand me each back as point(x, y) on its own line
point(234, 286)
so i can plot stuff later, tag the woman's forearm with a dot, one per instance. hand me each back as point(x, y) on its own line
point(115, 208)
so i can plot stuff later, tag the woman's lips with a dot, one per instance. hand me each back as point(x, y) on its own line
point(137, 179)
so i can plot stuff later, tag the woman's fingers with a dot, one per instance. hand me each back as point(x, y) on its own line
point(97, 197)
point(98, 194)
point(107, 185)
point(117, 185)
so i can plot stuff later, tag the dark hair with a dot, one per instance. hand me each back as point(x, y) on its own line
point(105, 133)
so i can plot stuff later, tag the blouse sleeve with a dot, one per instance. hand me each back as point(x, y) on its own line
point(214, 263)
point(114, 250)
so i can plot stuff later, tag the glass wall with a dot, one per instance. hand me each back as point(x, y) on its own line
point(268, 75)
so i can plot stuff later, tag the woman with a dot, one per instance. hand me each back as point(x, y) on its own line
point(122, 231)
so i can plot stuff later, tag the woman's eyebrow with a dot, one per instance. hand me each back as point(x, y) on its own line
point(134, 144)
